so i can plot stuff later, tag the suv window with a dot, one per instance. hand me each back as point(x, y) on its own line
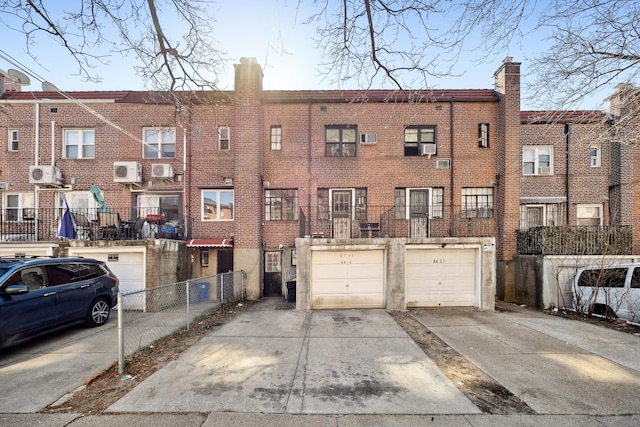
point(33, 277)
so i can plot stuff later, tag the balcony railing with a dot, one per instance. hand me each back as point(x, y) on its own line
point(392, 221)
point(608, 240)
point(90, 224)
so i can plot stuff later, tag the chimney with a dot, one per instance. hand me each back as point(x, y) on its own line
point(620, 101)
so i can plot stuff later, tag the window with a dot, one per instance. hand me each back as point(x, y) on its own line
point(13, 140)
point(204, 257)
point(589, 215)
point(281, 205)
point(340, 141)
point(19, 206)
point(272, 262)
point(477, 202)
point(537, 161)
point(167, 205)
point(159, 143)
point(404, 194)
point(323, 203)
point(420, 141)
point(355, 203)
point(483, 135)
point(79, 144)
point(276, 137)
point(595, 156)
point(217, 205)
point(80, 202)
point(542, 215)
point(361, 203)
point(223, 138)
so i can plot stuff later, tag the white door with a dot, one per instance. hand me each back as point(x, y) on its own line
point(128, 266)
point(441, 277)
point(347, 279)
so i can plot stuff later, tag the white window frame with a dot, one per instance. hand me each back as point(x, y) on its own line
point(218, 216)
point(549, 214)
point(224, 139)
point(483, 135)
point(600, 209)
point(595, 156)
point(25, 210)
point(156, 144)
point(276, 138)
point(13, 138)
point(82, 145)
point(477, 202)
point(436, 210)
point(272, 261)
point(81, 202)
point(538, 168)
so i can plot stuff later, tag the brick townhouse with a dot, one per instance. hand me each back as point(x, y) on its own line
point(374, 198)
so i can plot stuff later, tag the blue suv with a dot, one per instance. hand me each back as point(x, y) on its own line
point(41, 294)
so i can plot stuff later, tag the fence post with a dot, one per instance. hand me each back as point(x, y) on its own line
point(188, 302)
point(120, 335)
point(222, 288)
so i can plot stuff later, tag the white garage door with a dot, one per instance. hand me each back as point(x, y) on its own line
point(128, 266)
point(347, 279)
point(11, 250)
point(441, 277)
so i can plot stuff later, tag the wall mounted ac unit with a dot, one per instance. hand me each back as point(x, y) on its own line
point(368, 138)
point(127, 172)
point(428, 149)
point(443, 163)
point(45, 175)
point(161, 170)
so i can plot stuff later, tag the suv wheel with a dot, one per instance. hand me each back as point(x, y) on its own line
point(98, 313)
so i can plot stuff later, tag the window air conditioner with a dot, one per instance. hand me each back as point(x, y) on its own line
point(544, 171)
point(368, 138)
point(443, 163)
point(127, 172)
point(161, 170)
point(45, 175)
point(428, 149)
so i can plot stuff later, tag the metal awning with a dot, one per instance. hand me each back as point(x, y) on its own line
point(210, 243)
point(543, 200)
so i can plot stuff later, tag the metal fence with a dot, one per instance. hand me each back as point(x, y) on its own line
point(148, 315)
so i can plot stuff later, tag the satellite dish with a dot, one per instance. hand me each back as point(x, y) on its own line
point(49, 87)
point(19, 77)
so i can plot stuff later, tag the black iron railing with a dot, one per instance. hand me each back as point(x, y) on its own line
point(565, 240)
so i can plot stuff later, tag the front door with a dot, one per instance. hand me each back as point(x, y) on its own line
point(272, 274)
point(341, 214)
point(419, 213)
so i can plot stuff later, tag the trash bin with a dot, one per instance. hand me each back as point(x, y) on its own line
point(291, 291)
point(201, 289)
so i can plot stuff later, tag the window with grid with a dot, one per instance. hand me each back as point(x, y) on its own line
point(537, 160)
point(340, 141)
point(538, 215)
point(276, 137)
point(159, 143)
point(437, 201)
point(79, 143)
point(477, 202)
point(18, 206)
point(323, 203)
point(281, 205)
point(483, 135)
point(13, 140)
point(217, 205)
point(595, 156)
point(589, 215)
point(419, 140)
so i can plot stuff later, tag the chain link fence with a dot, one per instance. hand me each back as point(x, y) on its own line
point(151, 314)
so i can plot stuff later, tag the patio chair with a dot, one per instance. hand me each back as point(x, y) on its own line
point(110, 225)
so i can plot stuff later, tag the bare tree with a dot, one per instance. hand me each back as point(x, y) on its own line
point(171, 38)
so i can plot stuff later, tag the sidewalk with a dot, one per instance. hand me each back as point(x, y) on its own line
point(273, 367)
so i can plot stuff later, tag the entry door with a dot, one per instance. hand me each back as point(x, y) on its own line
point(341, 214)
point(419, 213)
point(272, 274)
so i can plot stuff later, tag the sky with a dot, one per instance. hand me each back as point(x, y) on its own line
point(273, 32)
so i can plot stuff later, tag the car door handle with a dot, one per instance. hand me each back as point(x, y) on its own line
point(86, 285)
point(48, 294)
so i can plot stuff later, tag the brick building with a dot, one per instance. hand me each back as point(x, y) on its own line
point(402, 189)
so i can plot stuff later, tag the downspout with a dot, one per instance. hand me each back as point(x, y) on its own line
point(567, 133)
point(186, 207)
point(451, 181)
point(36, 198)
point(309, 179)
point(53, 142)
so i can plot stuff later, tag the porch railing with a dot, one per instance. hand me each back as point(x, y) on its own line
point(565, 240)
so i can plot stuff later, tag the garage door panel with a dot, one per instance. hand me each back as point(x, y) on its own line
point(440, 277)
point(347, 279)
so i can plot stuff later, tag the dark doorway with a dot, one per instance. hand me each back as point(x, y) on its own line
point(225, 260)
point(272, 281)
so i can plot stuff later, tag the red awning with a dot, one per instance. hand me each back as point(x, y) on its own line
point(210, 243)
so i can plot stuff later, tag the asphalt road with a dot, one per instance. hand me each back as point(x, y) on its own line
point(41, 371)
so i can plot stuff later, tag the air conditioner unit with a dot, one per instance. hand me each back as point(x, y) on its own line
point(443, 163)
point(427, 149)
point(544, 171)
point(127, 172)
point(45, 175)
point(161, 170)
point(368, 138)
